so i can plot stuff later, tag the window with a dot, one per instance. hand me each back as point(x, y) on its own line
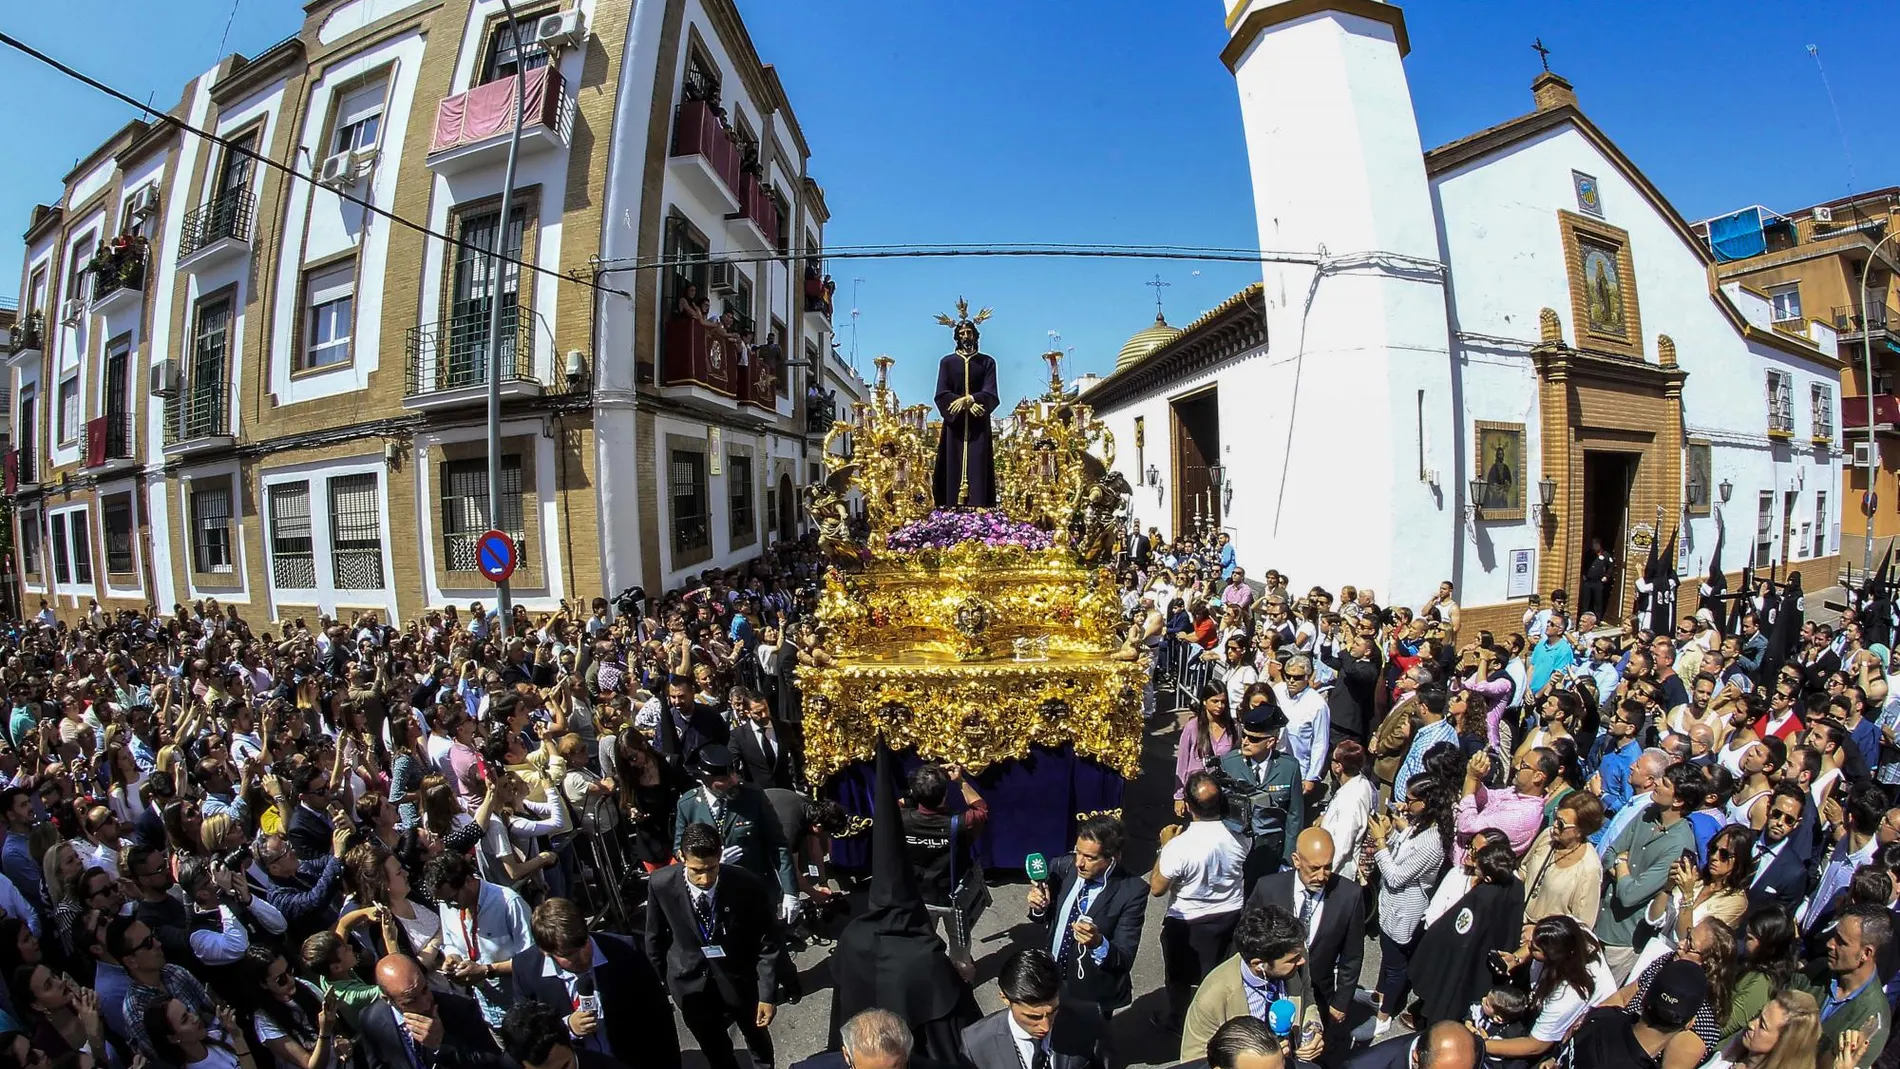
point(69, 421)
point(76, 270)
point(702, 78)
point(329, 306)
point(740, 303)
point(203, 403)
point(1821, 397)
point(117, 518)
point(506, 57)
point(36, 292)
point(687, 248)
point(30, 562)
point(359, 118)
point(81, 536)
point(1820, 524)
point(465, 509)
point(1765, 529)
point(27, 433)
point(1786, 303)
point(356, 533)
point(62, 556)
point(687, 487)
point(211, 528)
point(130, 224)
point(1780, 403)
point(739, 498)
point(292, 554)
point(234, 170)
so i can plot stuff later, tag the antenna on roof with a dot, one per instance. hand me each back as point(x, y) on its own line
point(1815, 51)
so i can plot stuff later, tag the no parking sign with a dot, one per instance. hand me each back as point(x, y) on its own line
point(495, 556)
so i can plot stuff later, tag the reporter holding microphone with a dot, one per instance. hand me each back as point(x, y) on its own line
point(1093, 911)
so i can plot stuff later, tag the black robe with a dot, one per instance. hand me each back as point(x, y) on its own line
point(965, 449)
point(1451, 964)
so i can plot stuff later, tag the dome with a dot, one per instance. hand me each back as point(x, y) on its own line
point(1138, 347)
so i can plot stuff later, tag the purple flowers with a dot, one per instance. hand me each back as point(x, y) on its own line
point(946, 528)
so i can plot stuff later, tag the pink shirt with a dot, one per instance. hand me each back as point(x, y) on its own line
point(1519, 816)
point(1187, 757)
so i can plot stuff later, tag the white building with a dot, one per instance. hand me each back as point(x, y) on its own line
point(1519, 313)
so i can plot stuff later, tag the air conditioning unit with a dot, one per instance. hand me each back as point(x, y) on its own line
point(73, 310)
point(1823, 214)
point(165, 378)
point(725, 277)
point(345, 168)
point(1864, 454)
point(145, 202)
point(564, 30)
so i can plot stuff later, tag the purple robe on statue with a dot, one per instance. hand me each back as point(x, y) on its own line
point(965, 452)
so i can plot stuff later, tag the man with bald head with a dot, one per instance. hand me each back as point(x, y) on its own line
point(1446, 1045)
point(1334, 914)
point(412, 1026)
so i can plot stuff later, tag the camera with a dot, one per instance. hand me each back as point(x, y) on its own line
point(627, 602)
point(237, 860)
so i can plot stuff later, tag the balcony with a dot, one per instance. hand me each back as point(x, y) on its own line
point(821, 410)
point(758, 381)
point(118, 275)
point(704, 158)
point(447, 365)
point(472, 129)
point(1853, 321)
point(29, 334)
point(755, 227)
point(217, 231)
point(196, 420)
point(1886, 411)
point(698, 356)
point(109, 442)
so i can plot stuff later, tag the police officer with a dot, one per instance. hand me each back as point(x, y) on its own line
point(1265, 806)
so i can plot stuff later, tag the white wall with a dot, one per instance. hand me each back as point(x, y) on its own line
point(325, 595)
point(542, 517)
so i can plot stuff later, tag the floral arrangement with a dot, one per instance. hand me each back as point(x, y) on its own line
point(946, 528)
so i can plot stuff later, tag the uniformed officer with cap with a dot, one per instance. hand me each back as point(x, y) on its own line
point(1266, 808)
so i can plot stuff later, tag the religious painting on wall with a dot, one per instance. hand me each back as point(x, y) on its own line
point(1589, 197)
point(1500, 464)
point(1603, 288)
point(1697, 485)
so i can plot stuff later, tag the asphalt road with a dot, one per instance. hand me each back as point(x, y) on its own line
point(803, 1029)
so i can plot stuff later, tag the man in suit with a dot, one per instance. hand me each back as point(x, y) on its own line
point(741, 816)
point(412, 1026)
point(1333, 914)
point(712, 934)
point(1141, 549)
point(582, 975)
point(310, 829)
point(1093, 910)
point(533, 1034)
point(1265, 800)
point(770, 753)
point(871, 1039)
point(1269, 964)
point(1781, 872)
point(1036, 1029)
point(1446, 1045)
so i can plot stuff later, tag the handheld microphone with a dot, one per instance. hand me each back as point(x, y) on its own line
point(1280, 1016)
point(587, 999)
point(1037, 867)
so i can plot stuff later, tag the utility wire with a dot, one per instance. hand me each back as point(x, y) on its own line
point(249, 153)
point(226, 35)
point(1083, 252)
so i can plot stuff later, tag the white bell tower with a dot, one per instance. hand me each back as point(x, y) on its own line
point(1357, 389)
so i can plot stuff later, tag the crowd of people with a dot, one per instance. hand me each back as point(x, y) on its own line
point(459, 843)
point(1575, 843)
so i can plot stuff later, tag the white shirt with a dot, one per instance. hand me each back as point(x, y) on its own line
point(96, 855)
point(1308, 734)
point(1345, 819)
point(1566, 1006)
point(1300, 897)
point(1204, 864)
point(1454, 885)
point(1025, 1046)
point(225, 945)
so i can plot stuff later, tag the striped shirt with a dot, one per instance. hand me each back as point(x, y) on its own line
point(1408, 869)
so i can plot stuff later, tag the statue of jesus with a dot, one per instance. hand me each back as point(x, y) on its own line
point(966, 395)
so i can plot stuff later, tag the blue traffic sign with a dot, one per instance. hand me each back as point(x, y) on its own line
point(495, 556)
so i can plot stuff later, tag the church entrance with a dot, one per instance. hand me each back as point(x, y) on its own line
point(1196, 420)
point(1607, 482)
point(788, 509)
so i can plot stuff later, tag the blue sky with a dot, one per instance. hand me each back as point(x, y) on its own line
point(1107, 122)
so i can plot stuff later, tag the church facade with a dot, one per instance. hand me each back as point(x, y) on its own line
point(1469, 363)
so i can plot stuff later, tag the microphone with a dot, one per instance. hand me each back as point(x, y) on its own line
point(589, 1001)
point(1037, 868)
point(1280, 1016)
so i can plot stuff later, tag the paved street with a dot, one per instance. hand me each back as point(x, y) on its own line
point(801, 1030)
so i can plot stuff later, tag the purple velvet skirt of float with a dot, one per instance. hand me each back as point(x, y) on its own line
point(1034, 805)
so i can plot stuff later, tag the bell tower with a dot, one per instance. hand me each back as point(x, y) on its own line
point(1358, 389)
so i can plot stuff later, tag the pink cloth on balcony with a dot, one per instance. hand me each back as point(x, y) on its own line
point(487, 110)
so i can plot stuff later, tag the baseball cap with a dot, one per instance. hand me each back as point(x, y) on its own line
point(1676, 994)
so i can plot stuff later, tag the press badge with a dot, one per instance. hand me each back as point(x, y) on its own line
point(713, 950)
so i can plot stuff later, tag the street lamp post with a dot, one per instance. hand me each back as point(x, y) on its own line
point(504, 603)
point(1867, 391)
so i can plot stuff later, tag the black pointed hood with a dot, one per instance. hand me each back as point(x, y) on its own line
point(890, 957)
point(1661, 574)
point(1716, 584)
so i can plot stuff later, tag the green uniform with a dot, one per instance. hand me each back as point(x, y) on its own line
point(1267, 810)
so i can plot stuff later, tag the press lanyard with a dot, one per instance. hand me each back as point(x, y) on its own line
point(471, 929)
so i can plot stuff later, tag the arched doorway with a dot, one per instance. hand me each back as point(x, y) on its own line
point(787, 508)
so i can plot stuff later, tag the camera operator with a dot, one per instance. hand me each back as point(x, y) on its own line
point(1265, 804)
point(225, 916)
